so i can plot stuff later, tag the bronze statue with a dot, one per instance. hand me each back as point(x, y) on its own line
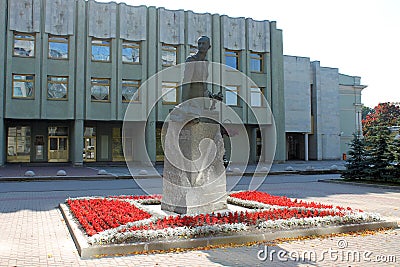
point(196, 74)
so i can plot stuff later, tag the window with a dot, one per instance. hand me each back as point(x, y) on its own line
point(89, 143)
point(122, 146)
point(130, 52)
point(58, 47)
point(130, 90)
point(170, 92)
point(24, 45)
point(231, 95)
point(256, 97)
point(23, 86)
point(232, 59)
point(19, 144)
point(57, 88)
point(256, 62)
point(168, 55)
point(192, 50)
point(101, 50)
point(100, 89)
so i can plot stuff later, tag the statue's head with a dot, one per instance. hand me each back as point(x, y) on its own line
point(203, 44)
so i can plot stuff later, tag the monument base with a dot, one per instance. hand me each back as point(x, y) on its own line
point(194, 179)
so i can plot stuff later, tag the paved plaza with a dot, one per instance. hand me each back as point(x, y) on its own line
point(33, 232)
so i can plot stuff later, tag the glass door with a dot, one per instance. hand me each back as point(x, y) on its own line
point(58, 144)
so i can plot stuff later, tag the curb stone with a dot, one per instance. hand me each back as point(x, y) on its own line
point(110, 176)
point(342, 181)
point(86, 251)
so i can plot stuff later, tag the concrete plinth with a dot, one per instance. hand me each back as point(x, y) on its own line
point(194, 174)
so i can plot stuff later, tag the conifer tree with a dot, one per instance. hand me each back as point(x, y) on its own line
point(380, 156)
point(356, 161)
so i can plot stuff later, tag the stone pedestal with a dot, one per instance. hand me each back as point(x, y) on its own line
point(194, 174)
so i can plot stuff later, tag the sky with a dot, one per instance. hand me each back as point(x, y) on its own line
point(359, 37)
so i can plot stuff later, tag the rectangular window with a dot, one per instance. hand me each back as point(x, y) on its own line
point(257, 97)
point(170, 92)
point(232, 95)
point(256, 62)
point(57, 88)
point(168, 55)
point(24, 45)
point(19, 144)
point(130, 52)
point(130, 90)
point(100, 89)
point(117, 147)
point(58, 47)
point(89, 142)
point(232, 59)
point(23, 86)
point(101, 50)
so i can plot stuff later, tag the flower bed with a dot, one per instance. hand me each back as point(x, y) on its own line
point(118, 219)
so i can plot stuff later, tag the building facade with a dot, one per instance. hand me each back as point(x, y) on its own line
point(71, 68)
point(322, 110)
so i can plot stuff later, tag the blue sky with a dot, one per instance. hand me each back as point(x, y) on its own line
point(360, 38)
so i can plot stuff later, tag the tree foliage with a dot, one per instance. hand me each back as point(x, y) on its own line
point(384, 115)
point(377, 155)
point(356, 163)
point(366, 111)
point(380, 156)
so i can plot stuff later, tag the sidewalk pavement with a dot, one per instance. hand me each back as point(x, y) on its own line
point(18, 172)
point(33, 232)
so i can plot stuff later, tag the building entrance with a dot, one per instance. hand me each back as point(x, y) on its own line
point(58, 144)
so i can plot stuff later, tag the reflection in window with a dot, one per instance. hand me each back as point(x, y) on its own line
point(23, 86)
point(58, 47)
point(18, 144)
point(168, 55)
point(256, 97)
point(89, 141)
point(170, 92)
point(117, 149)
point(24, 45)
point(231, 94)
point(57, 87)
point(232, 59)
point(130, 90)
point(101, 50)
point(256, 62)
point(130, 52)
point(58, 131)
point(100, 89)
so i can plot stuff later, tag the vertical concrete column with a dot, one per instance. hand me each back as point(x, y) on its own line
point(215, 55)
point(306, 146)
point(77, 143)
point(2, 142)
point(79, 61)
point(316, 139)
point(3, 12)
point(277, 91)
point(152, 68)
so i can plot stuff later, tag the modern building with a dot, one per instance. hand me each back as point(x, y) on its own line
point(322, 110)
point(71, 67)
